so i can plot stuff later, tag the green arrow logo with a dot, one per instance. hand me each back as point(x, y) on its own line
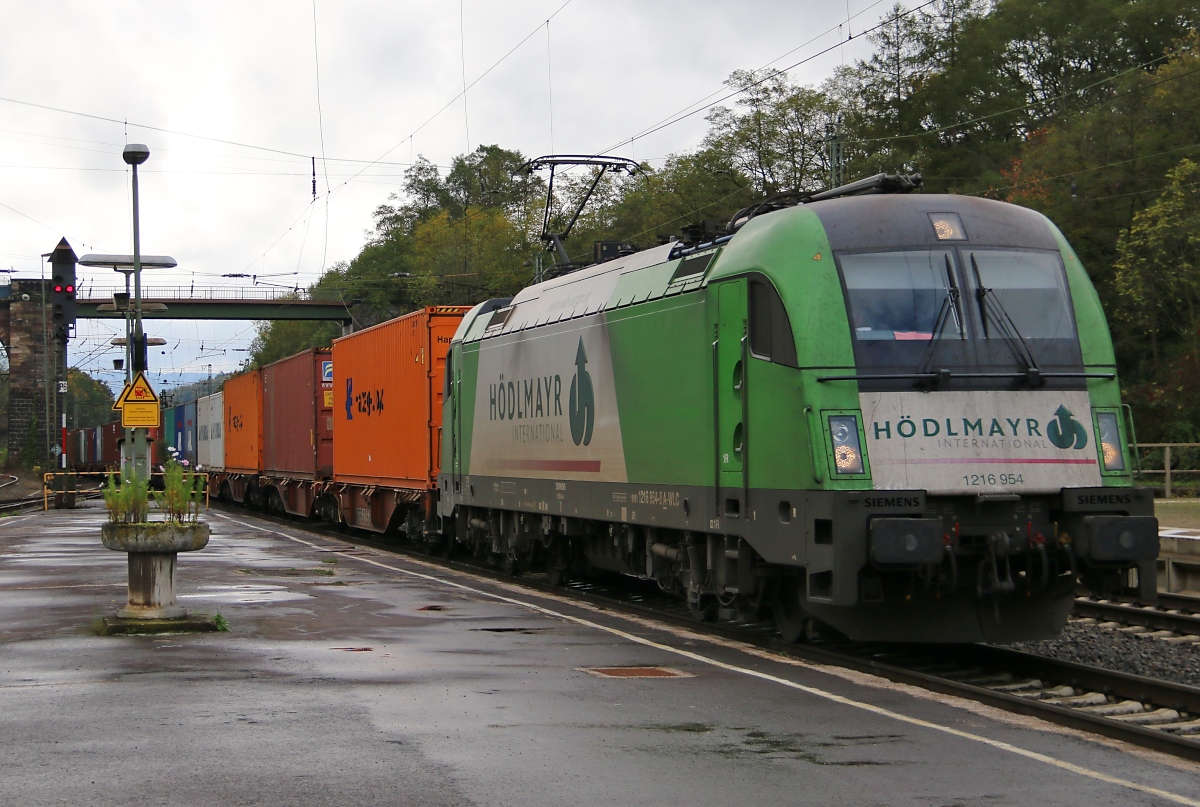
point(583, 402)
point(1066, 431)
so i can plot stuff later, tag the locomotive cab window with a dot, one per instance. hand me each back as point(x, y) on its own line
point(1030, 289)
point(771, 335)
point(901, 296)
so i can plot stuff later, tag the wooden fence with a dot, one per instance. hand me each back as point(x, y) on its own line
point(1167, 462)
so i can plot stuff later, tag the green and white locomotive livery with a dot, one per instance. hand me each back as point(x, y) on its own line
point(894, 415)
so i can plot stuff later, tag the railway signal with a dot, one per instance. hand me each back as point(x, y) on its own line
point(62, 289)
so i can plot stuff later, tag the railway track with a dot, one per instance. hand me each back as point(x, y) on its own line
point(20, 505)
point(1173, 617)
point(14, 506)
point(1143, 711)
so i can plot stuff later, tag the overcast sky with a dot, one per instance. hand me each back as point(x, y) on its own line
point(390, 73)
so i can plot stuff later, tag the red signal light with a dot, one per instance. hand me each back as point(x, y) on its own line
point(58, 288)
point(70, 289)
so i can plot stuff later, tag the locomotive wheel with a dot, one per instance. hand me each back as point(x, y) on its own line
point(558, 562)
point(791, 620)
point(705, 609)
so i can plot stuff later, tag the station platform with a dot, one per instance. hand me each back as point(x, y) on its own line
point(352, 676)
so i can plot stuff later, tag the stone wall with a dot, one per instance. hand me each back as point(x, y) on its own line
point(28, 342)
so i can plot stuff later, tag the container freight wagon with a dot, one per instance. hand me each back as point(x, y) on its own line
point(168, 428)
point(91, 455)
point(297, 394)
point(76, 446)
point(210, 441)
point(108, 450)
point(112, 437)
point(97, 458)
point(242, 430)
point(387, 415)
point(81, 450)
point(185, 432)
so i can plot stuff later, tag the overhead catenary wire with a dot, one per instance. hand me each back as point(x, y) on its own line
point(321, 129)
point(841, 43)
point(682, 116)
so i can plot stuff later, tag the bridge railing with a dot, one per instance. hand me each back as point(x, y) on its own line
point(95, 294)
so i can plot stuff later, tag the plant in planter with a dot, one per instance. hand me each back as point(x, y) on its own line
point(179, 499)
point(127, 502)
point(153, 545)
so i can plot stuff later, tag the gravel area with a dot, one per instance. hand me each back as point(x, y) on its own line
point(1123, 652)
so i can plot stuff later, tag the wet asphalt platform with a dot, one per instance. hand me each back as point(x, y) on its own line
point(360, 678)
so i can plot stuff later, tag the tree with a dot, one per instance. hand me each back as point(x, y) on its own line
point(89, 402)
point(1157, 280)
point(277, 340)
point(778, 138)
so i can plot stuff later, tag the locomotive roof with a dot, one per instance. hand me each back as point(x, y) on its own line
point(875, 221)
point(888, 220)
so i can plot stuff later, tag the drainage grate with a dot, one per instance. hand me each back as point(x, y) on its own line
point(635, 672)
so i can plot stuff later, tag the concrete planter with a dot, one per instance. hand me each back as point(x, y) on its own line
point(152, 548)
point(155, 537)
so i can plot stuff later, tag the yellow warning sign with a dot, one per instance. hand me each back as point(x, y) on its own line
point(137, 391)
point(138, 405)
point(328, 398)
point(140, 415)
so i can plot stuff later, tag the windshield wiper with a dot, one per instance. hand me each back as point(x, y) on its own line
point(989, 302)
point(950, 306)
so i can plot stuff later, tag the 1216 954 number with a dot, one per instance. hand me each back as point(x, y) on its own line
point(993, 479)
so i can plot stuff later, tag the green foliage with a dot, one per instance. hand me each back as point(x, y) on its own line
point(221, 622)
point(778, 140)
point(1157, 282)
point(180, 497)
point(31, 452)
point(279, 339)
point(127, 501)
point(89, 402)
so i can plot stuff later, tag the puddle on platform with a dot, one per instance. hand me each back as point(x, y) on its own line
point(802, 747)
point(744, 743)
point(248, 593)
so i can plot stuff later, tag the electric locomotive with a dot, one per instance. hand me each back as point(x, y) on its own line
point(895, 415)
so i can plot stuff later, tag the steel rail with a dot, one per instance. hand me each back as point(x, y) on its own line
point(17, 505)
point(1146, 616)
point(958, 670)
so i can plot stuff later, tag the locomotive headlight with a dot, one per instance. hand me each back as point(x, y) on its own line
point(847, 451)
point(1111, 455)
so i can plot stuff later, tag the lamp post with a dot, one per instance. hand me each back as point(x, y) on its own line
point(134, 155)
point(127, 463)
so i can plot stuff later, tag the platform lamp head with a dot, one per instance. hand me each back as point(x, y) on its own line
point(135, 154)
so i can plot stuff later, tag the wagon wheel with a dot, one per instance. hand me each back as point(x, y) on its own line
point(792, 622)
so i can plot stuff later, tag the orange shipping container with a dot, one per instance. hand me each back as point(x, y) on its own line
point(243, 423)
point(387, 386)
